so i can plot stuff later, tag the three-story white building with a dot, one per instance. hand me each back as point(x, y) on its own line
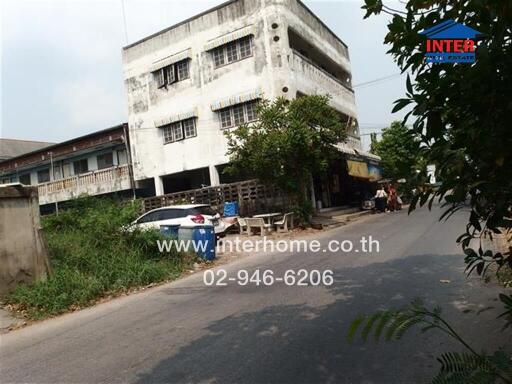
point(186, 84)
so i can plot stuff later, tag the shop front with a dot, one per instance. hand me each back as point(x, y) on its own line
point(351, 179)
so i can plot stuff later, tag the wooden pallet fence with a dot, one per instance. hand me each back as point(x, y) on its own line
point(252, 197)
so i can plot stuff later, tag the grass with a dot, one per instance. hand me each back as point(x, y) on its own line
point(91, 257)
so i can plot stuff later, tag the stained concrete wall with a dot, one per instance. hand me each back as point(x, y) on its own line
point(273, 68)
point(23, 253)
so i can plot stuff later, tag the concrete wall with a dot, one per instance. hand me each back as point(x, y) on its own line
point(23, 255)
point(271, 69)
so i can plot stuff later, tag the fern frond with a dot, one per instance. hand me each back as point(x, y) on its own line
point(464, 362)
point(354, 326)
point(398, 319)
point(406, 325)
point(383, 321)
point(369, 324)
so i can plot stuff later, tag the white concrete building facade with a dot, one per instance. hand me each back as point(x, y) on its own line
point(188, 83)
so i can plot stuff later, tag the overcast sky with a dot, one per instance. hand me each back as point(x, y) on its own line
point(61, 72)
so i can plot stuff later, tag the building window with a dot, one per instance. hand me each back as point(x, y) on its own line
point(225, 118)
point(25, 179)
point(182, 70)
point(245, 47)
point(189, 128)
point(250, 109)
point(159, 78)
point(233, 51)
point(179, 130)
point(218, 57)
point(105, 161)
point(173, 132)
point(122, 157)
point(238, 114)
point(80, 166)
point(172, 73)
point(43, 176)
point(169, 75)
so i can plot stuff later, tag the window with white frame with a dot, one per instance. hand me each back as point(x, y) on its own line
point(189, 128)
point(225, 118)
point(179, 130)
point(245, 47)
point(172, 73)
point(233, 51)
point(250, 110)
point(218, 57)
point(238, 114)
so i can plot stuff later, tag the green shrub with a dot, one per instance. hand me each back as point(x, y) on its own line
point(92, 255)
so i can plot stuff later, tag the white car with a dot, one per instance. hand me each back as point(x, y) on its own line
point(187, 215)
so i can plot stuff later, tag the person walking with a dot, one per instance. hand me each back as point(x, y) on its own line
point(392, 199)
point(380, 200)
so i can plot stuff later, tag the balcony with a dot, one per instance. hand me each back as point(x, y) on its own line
point(354, 141)
point(99, 182)
point(312, 79)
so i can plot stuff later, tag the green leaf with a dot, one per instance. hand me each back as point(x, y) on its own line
point(409, 85)
point(369, 325)
point(400, 104)
point(354, 326)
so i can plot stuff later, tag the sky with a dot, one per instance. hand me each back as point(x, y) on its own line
point(61, 72)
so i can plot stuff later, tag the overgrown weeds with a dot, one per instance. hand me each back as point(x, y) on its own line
point(92, 256)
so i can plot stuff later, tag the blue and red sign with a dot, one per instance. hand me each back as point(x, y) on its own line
point(450, 42)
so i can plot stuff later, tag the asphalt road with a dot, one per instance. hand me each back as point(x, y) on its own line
point(186, 332)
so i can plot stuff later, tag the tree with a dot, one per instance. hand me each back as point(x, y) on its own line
point(461, 114)
point(288, 143)
point(399, 151)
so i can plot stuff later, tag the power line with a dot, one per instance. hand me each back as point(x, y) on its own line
point(124, 22)
point(378, 80)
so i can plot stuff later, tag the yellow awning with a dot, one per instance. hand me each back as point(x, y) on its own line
point(358, 169)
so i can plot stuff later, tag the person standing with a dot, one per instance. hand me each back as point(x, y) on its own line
point(380, 200)
point(392, 199)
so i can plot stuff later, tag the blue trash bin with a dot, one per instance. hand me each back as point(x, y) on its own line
point(200, 239)
point(185, 232)
point(170, 230)
point(231, 209)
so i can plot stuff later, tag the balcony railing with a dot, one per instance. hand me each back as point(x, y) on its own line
point(322, 79)
point(92, 183)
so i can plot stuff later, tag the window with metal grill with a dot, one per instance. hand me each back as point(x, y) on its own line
point(172, 73)
point(179, 130)
point(232, 51)
point(238, 114)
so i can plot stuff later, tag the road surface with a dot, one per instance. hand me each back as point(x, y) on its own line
point(186, 332)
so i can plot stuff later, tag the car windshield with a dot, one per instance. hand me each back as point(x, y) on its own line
point(201, 211)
